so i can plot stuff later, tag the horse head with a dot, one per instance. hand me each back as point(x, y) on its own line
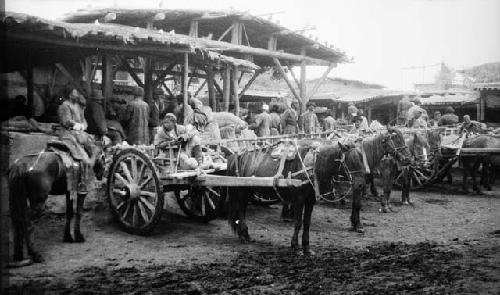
point(394, 144)
point(353, 159)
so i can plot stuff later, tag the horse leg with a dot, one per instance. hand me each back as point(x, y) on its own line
point(69, 215)
point(464, 176)
point(298, 212)
point(475, 187)
point(238, 201)
point(405, 192)
point(30, 238)
point(356, 207)
point(373, 188)
point(308, 209)
point(19, 234)
point(79, 208)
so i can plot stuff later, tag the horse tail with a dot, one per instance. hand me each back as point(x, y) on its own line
point(17, 189)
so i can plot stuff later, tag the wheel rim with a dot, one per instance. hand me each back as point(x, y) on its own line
point(199, 202)
point(265, 198)
point(133, 191)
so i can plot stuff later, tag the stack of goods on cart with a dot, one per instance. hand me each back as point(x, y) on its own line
point(22, 124)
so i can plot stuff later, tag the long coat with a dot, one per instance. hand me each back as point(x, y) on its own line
point(289, 121)
point(94, 114)
point(137, 115)
point(309, 122)
point(70, 113)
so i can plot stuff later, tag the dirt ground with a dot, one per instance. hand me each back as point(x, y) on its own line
point(446, 242)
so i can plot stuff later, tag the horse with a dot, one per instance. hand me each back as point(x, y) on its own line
point(388, 152)
point(259, 163)
point(470, 164)
point(31, 179)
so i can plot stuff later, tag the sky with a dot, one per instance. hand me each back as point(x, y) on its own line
point(384, 37)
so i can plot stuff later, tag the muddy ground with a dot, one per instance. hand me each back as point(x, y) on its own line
point(445, 243)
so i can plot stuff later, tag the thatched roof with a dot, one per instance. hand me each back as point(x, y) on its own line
point(257, 30)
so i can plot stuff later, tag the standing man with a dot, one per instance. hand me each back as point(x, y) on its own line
point(329, 121)
point(309, 121)
point(363, 125)
point(435, 119)
point(197, 117)
point(94, 114)
point(156, 108)
point(137, 116)
point(403, 106)
point(449, 118)
point(275, 120)
point(416, 112)
point(262, 123)
point(472, 126)
point(289, 119)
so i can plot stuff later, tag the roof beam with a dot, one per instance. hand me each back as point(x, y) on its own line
point(288, 82)
point(320, 81)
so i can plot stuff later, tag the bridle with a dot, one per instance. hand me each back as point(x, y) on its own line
point(393, 150)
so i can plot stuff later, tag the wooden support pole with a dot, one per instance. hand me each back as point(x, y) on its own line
point(212, 100)
point(200, 88)
point(185, 85)
point(225, 33)
point(70, 78)
point(250, 82)
point(369, 114)
point(302, 84)
point(219, 89)
point(236, 97)
point(132, 73)
point(193, 28)
point(168, 89)
point(160, 77)
point(226, 87)
point(87, 74)
point(29, 86)
point(148, 79)
point(107, 78)
point(290, 69)
point(320, 81)
point(288, 82)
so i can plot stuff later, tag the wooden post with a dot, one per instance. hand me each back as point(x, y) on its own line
point(185, 85)
point(236, 97)
point(236, 33)
point(226, 87)
point(250, 82)
point(288, 82)
point(482, 104)
point(107, 78)
point(87, 75)
point(369, 114)
point(320, 81)
point(148, 79)
point(303, 79)
point(193, 29)
point(478, 109)
point(29, 84)
point(212, 100)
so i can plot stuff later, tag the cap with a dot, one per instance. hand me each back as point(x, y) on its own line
point(265, 107)
point(170, 116)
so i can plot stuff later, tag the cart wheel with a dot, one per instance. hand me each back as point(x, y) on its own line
point(134, 194)
point(420, 176)
point(260, 198)
point(199, 203)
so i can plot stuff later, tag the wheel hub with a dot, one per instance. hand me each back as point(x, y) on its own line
point(134, 191)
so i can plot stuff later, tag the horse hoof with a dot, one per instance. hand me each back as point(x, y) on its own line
point(37, 258)
point(68, 239)
point(384, 210)
point(79, 238)
point(359, 230)
point(20, 263)
point(308, 252)
point(406, 203)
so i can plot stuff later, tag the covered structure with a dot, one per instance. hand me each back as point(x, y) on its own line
point(489, 102)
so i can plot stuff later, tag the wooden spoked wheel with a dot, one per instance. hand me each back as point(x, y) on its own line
point(134, 193)
point(199, 203)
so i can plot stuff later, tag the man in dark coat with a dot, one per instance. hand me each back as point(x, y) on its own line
point(137, 116)
point(94, 114)
point(449, 118)
point(156, 107)
point(403, 106)
point(289, 119)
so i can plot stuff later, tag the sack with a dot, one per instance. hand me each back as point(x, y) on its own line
point(226, 119)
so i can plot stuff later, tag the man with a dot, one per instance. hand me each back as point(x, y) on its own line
point(403, 106)
point(356, 127)
point(449, 118)
point(94, 114)
point(156, 107)
point(275, 120)
point(197, 117)
point(309, 121)
point(289, 119)
point(418, 120)
point(352, 111)
point(363, 125)
point(471, 126)
point(262, 123)
point(170, 133)
point(435, 119)
point(329, 121)
point(415, 112)
point(137, 116)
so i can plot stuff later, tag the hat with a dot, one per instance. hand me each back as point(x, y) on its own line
point(158, 91)
point(356, 118)
point(310, 103)
point(137, 91)
point(74, 94)
point(265, 107)
point(449, 110)
point(170, 116)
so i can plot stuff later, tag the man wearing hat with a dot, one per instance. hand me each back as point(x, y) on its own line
point(449, 117)
point(156, 107)
point(309, 121)
point(197, 117)
point(94, 114)
point(416, 112)
point(403, 106)
point(137, 116)
point(262, 123)
point(289, 119)
point(70, 113)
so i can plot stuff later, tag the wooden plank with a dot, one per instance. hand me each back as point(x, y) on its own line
point(285, 77)
point(212, 100)
point(185, 85)
point(226, 87)
point(132, 73)
point(233, 181)
point(473, 151)
point(236, 98)
point(320, 81)
point(225, 32)
point(219, 89)
point(250, 82)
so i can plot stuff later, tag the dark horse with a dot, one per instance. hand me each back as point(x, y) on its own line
point(470, 164)
point(388, 153)
point(261, 164)
point(31, 179)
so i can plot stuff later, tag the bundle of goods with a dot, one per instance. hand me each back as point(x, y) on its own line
point(226, 119)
